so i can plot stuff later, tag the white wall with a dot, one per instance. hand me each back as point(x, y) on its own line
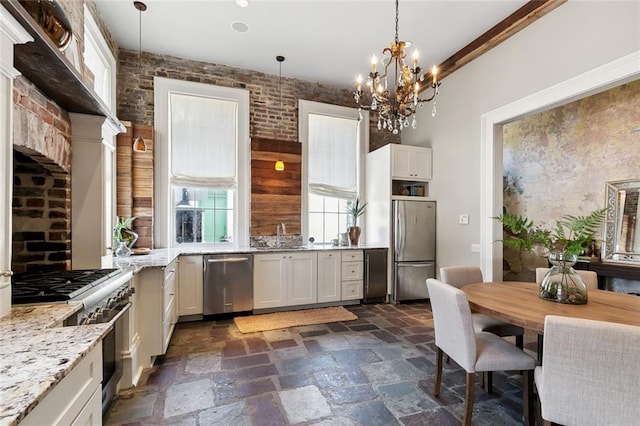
point(576, 37)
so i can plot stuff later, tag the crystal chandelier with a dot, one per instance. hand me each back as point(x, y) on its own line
point(398, 102)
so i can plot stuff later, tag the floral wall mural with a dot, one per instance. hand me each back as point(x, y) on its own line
point(557, 162)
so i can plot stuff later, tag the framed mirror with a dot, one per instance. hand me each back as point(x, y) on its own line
point(622, 228)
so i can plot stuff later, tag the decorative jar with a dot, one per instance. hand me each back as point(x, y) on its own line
point(562, 284)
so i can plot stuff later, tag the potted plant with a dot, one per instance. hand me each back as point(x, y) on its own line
point(571, 236)
point(123, 237)
point(355, 209)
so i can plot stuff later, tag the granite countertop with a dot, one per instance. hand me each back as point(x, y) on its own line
point(36, 352)
point(159, 258)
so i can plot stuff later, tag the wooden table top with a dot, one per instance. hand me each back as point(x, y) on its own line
point(518, 303)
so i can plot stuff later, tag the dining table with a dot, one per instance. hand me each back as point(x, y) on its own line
point(518, 303)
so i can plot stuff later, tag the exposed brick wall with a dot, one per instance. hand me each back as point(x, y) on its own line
point(41, 129)
point(41, 216)
point(269, 118)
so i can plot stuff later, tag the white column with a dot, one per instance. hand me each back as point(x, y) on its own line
point(88, 244)
point(11, 33)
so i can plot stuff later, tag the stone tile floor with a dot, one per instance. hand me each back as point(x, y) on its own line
point(376, 370)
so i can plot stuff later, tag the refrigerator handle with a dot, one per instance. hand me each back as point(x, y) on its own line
point(399, 225)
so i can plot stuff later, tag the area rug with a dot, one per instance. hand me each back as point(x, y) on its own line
point(278, 320)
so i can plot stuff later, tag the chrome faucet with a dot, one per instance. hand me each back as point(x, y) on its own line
point(281, 230)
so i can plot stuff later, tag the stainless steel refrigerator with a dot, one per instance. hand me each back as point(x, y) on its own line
point(414, 246)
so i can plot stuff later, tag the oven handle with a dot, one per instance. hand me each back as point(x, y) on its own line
point(120, 313)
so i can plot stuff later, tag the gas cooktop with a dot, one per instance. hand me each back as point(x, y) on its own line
point(57, 286)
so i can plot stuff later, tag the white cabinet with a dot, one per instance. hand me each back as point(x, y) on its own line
point(352, 272)
point(190, 290)
point(158, 309)
point(329, 273)
point(269, 290)
point(77, 399)
point(285, 279)
point(411, 163)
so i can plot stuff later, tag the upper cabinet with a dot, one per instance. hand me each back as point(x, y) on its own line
point(412, 163)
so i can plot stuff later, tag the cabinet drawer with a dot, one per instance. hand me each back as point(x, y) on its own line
point(170, 270)
point(352, 255)
point(169, 289)
point(352, 271)
point(69, 398)
point(352, 290)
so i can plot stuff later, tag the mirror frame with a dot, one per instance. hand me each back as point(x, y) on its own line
point(610, 232)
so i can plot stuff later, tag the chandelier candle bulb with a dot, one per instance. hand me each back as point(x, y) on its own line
point(434, 73)
point(374, 63)
point(359, 82)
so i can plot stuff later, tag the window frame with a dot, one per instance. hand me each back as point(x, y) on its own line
point(310, 107)
point(94, 36)
point(164, 220)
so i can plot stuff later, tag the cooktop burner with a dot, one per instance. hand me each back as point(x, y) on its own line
point(56, 286)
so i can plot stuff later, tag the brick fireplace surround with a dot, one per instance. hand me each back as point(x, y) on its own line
point(41, 205)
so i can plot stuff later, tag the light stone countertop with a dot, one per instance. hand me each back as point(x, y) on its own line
point(36, 352)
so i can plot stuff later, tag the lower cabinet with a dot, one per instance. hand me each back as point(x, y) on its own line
point(352, 274)
point(329, 273)
point(285, 279)
point(77, 399)
point(302, 278)
point(190, 289)
point(158, 309)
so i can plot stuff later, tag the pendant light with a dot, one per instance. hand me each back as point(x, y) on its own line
point(280, 163)
point(139, 144)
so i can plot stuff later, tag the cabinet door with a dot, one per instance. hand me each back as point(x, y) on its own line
point(400, 168)
point(269, 280)
point(329, 286)
point(190, 285)
point(411, 162)
point(302, 278)
point(420, 163)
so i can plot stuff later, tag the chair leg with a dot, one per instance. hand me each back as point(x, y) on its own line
point(468, 399)
point(528, 412)
point(436, 385)
point(487, 377)
point(520, 341)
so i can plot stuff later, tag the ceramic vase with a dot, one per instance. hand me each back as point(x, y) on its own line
point(354, 234)
point(562, 284)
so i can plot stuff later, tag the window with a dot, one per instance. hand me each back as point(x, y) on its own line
point(100, 61)
point(202, 169)
point(335, 141)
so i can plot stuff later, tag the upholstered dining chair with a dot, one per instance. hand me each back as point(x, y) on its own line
point(459, 276)
point(590, 372)
point(474, 351)
point(590, 278)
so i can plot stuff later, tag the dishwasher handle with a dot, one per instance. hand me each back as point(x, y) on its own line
point(228, 260)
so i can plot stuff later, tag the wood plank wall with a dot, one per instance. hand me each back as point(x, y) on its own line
point(275, 196)
point(135, 181)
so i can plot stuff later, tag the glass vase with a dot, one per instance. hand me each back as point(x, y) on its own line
point(122, 250)
point(562, 284)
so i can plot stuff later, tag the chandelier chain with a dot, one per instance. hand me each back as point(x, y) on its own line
point(397, 20)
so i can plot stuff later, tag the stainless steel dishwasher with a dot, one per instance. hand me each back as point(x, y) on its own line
point(228, 283)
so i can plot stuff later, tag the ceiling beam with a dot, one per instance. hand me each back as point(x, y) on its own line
point(518, 20)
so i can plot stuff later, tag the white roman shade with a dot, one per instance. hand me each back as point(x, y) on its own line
point(204, 141)
point(333, 145)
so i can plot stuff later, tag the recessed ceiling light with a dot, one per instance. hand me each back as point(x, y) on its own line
point(240, 27)
point(242, 3)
